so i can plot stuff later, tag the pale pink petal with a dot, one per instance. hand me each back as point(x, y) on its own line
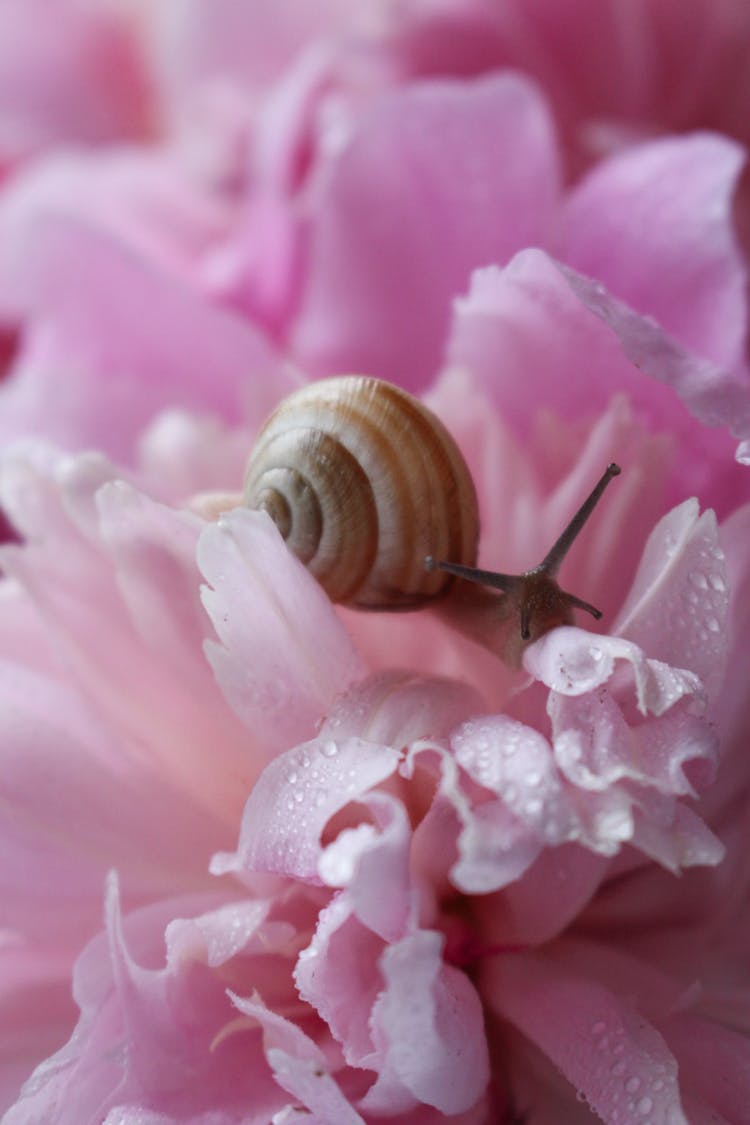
point(299, 1066)
point(218, 935)
point(396, 708)
point(654, 224)
point(437, 180)
point(338, 975)
point(433, 1047)
point(169, 1022)
point(283, 656)
point(295, 797)
point(573, 662)
point(182, 455)
point(602, 1043)
point(102, 561)
point(596, 747)
point(374, 867)
point(571, 346)
point(210, 41)
point(677, 606)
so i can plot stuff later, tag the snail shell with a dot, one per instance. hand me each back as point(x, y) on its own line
point(363, 482)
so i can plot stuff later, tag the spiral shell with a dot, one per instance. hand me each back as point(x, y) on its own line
point(363, 482)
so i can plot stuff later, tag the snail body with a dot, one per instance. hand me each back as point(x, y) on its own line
point(372, 494)
point(364, 482)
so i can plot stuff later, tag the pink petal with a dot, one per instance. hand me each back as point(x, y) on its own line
point(525, 913)
point(428, 1025)
point(687, 271)
point(714, 1068)
point(135, 199)
point(96, 319)
point(75, 78)
point(615, 1059)
point(571, 345)
point(438, 179)
point(283, 655)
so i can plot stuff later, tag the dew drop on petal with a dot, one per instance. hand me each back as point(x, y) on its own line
point(329, 749)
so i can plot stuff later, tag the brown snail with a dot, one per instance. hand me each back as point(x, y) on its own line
point(371, 492)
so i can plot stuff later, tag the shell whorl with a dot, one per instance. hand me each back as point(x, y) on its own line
point(363, 482)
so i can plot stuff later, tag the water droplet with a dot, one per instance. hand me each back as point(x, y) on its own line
point(290, 804)
point(329, 749)
point(299, 796)
point(319, 797)
point(290, 775)
point(717, 583)
point(698, 579)
point(599, 1028)
point(619, 1067)
point(644, 1106)
point(714, 625)
point(632, 1084)
point(596, 654)
point(304, 759)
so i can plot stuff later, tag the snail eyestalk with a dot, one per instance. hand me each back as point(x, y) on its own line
point(534, 596)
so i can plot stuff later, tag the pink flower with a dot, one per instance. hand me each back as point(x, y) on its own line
point(354, 868)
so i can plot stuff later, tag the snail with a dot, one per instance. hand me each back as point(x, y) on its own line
point(371, 492)
point(364, 482)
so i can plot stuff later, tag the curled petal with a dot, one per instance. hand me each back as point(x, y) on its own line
point(573, 662)
point(294, 798)
point(432, 1046)
point(374, 866)
point(338, 975)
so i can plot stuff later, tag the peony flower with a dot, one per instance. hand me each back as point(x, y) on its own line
point(352, 867)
